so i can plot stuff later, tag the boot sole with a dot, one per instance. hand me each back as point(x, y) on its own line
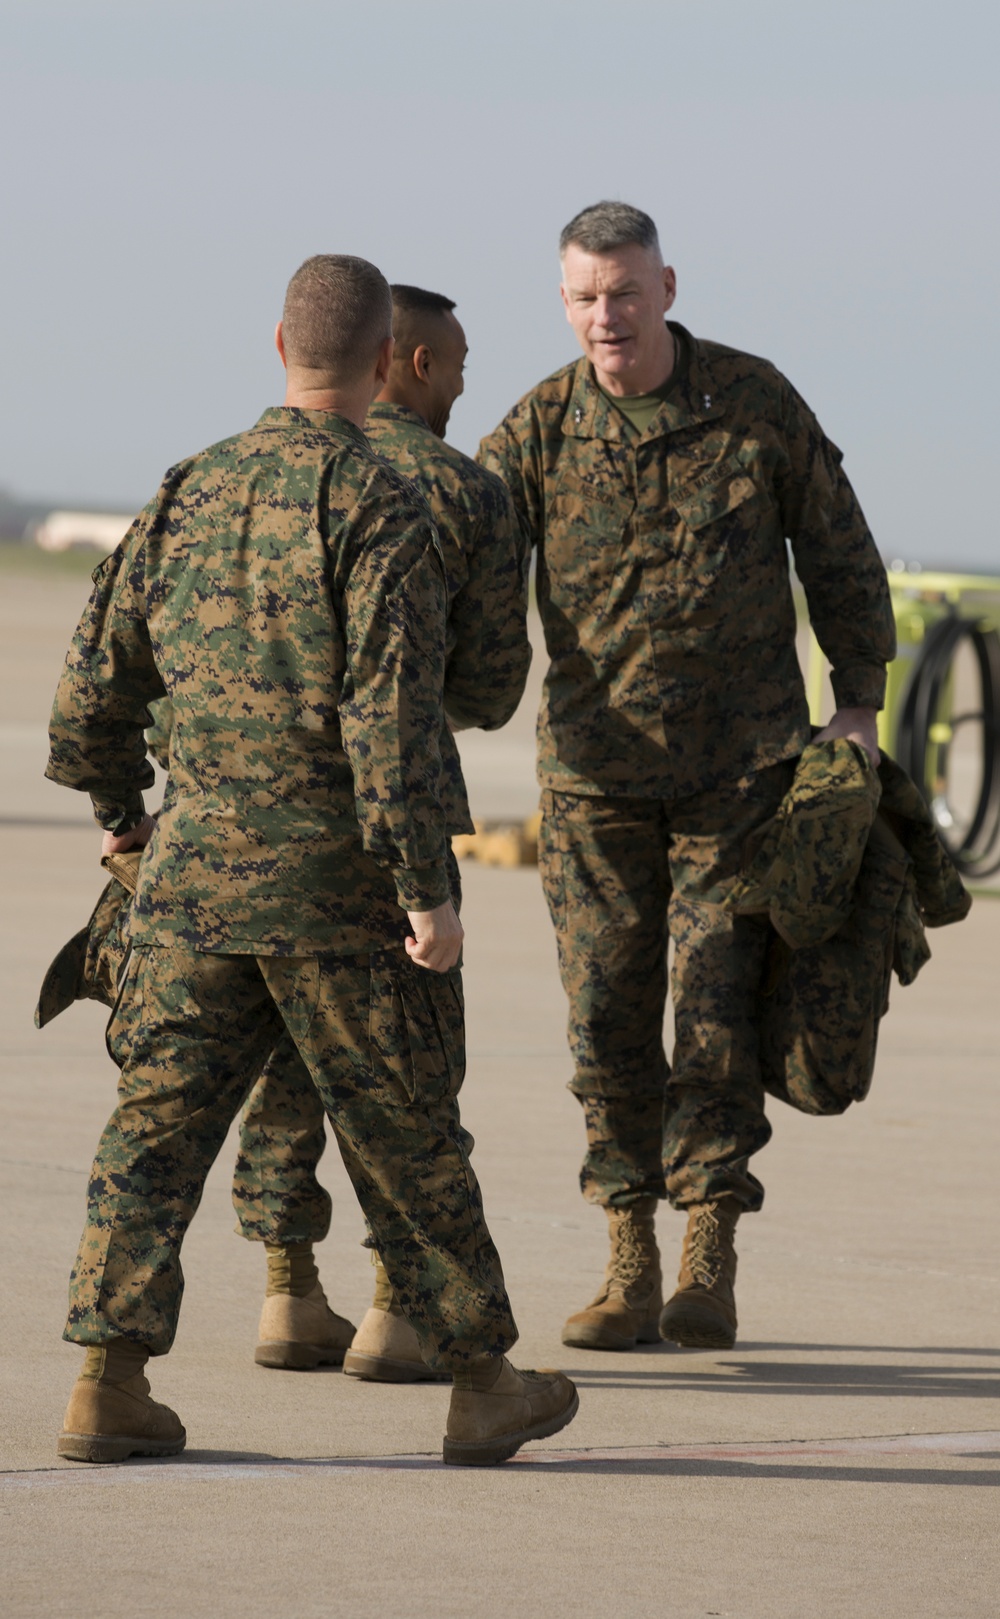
point(595, 1336)
point(383, 1369)
point(296, 1357)
point(693, 1328)
point(92, 1447)
point(489, 1452)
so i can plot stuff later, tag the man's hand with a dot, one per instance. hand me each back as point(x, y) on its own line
point(136, 838)
point(437, 937)
point(857, 725)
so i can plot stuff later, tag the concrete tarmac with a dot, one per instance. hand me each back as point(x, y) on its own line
point(843, 1460)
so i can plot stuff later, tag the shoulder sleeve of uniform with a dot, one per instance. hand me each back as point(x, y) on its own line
point(393, 600)
point(489, 651)
point(512, 452)
point(836, 558)
point(96, 731)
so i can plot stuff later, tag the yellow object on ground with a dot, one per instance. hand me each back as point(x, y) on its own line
point(500, 843)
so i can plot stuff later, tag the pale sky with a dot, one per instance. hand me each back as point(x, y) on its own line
point(823, 177)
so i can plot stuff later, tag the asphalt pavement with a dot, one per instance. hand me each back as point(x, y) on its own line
point(842, 1460)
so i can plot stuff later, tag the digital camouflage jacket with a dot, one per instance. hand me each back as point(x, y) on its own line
point(285, 590)
point(849, 873)
point(488, 652)
point(663, 578)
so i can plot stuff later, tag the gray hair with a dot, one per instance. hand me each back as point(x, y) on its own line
point(606, 225)
point(338, 313)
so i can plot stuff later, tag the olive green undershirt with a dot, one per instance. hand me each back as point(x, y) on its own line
point(639, 409)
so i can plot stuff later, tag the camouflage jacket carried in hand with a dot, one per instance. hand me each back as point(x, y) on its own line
point(488, 652)
point(849, 872)
point(285, 589)
point(663, 577)
point(89, 966)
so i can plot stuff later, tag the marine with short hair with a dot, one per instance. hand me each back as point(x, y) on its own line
point(285, 590)
point(278, 1199)
point(659, 477)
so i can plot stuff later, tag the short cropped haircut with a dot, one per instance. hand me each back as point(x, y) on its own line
point(606, 225)
point(338, 313)
point(414, 314)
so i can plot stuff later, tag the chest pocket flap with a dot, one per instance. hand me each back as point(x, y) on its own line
point(716, 499)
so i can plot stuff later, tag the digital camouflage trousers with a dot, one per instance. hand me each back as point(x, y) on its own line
point(383, 1042)
point(276, 1194)
point(623, 878)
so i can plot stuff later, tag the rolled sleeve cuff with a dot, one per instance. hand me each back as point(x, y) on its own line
point(421, 888)
point(118, 816)
point(859, 685)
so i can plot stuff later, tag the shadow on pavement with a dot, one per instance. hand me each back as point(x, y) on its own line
point(858, 1349)
point(599, 1466)
point(735, 1376)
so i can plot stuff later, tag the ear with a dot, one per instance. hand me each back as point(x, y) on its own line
point(422, 361)
point(562, 294)
point(384, 362)
point(669, 287)
point(279, 343)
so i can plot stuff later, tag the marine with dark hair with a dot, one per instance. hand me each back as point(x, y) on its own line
point(285, 589)
point(659, 477)
point(278, 1198)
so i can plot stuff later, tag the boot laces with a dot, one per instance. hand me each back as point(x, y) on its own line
point(628, 1257)
point(705, 1257)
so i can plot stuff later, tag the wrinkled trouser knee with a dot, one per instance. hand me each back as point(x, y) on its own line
point(606, 884)
point(622, 876)
point(276, 1194)
point(384, 1044)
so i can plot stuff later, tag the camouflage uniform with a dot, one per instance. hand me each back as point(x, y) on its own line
point(285, 590)
point(672, 704)
point(282, 1136)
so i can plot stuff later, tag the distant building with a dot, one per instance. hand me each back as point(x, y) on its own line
point(62, 531)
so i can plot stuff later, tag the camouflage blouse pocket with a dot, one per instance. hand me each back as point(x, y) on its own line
point(584, 532)
point(729, 553)
point(716, 500)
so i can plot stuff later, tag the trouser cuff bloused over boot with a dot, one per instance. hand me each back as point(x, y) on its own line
point(384, 1045)
point(623, 877)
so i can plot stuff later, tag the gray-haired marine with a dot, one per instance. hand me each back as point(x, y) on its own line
point(659, 477)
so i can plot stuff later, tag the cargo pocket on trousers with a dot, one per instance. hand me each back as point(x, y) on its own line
point(434, 1013)
point(126, 1014)
point(551, 867)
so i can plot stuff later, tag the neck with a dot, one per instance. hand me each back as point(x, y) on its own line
point(351, 403)
point(393, 394)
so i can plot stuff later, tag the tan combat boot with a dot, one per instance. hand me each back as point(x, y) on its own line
point(297, 1335)
point(626, 1311)
point(385, 1347)
point(702, 1312)
point(495, 1409)
point(298, 1331)
point(110, 1415)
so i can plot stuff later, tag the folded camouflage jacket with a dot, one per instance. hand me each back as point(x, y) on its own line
point(849, 873)
point(89, 966)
